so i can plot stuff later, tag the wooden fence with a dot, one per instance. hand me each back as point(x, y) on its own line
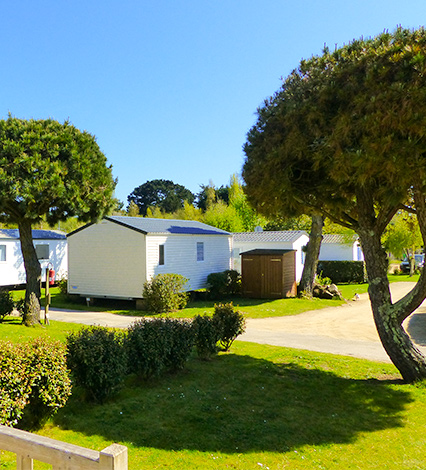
point(62, 456)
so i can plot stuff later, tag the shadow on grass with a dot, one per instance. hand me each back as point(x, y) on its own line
point(239, 404)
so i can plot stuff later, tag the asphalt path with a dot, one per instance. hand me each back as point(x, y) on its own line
point(346, 330)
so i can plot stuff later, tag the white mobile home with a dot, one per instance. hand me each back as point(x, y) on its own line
point(51, 248)
point(115, 257)
point(278, 240)
point(335, 247)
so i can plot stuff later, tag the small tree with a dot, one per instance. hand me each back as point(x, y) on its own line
point(53, 171)
point(344, 137)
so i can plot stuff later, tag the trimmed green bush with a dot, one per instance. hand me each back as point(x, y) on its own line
point(15, 388)
point(224, 283)
point(6, 304)
point(34, 382)
point(97, 360)
point(206, 336)
point(181, 343)
point(164, 293)
point(50, 382)
point(342, 271)
point(148, 345)
point(229, 324)
point(158, 345)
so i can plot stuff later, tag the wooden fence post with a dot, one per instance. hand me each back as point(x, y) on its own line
point(113, 457)
point(23, 462)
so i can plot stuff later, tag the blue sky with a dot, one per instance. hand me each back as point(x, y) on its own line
point(170, 87)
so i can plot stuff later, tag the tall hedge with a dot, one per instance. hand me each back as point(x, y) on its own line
point(342, 271)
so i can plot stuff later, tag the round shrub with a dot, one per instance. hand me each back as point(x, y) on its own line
point(224, 284)
point(229, 324)
point(164, 293)
point(98, 361)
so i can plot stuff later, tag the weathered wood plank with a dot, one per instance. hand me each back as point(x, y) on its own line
point(60, 455)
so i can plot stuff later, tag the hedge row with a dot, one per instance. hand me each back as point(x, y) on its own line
point(34, 382)
point(342, 271)
point(100, 359)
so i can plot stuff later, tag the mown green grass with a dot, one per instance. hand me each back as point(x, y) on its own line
point(258, 407)
point(11, 329)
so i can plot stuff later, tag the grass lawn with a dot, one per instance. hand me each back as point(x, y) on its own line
point(255, 407)
point(258, 407)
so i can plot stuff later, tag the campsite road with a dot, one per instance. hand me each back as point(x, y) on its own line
point(347, 330)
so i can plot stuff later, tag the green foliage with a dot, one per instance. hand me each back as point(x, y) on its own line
point(155, 346)
point(49, 172)
point(181, 336)
point(6, 304)
point(147, 346)
point(402, 237)
point(54, 170)
point(97, 360)
point(132, 209)
point(330, 131)
point(229, 324)
point(164, 293)
point(342, 271)
point(322, 280)
point(163, 194)
point(50, 382)
point(224, 283)
point(63, 286)
point(206, 336)
point(249, 218)
point(222, 216)
point(14, 387)
point(209, 195)
point(34, 382)
point(330, 142)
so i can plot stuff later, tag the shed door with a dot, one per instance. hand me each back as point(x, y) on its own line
point(251, 268)
point(272, 276)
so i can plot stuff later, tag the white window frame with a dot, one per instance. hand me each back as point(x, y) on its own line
point(3, 253)
point(200, 252)
point(161, 254)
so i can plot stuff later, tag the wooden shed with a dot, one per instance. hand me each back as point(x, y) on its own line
point(269, 274)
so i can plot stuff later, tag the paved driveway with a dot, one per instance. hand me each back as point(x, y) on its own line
point(347, 330)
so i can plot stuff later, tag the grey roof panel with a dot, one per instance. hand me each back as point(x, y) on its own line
point(13, 233)
point(339, 238)
point(277, 236)
point(166, 226)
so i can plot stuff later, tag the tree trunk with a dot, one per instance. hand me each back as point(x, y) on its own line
point(312, 253)
point(388, 317)
point(33, 275)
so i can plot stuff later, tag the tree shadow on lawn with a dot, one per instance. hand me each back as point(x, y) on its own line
point(237, 404)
